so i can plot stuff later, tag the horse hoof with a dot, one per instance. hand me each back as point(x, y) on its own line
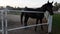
point(49, 33)
point(42, 29)
point(21, 23)
point(26, 28)
point(35, 30)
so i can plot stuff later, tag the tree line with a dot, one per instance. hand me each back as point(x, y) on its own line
point(55, 7)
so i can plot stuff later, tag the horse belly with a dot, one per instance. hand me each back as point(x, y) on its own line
point(36, 16)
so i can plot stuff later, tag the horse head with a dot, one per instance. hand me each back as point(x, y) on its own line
point(48, 7)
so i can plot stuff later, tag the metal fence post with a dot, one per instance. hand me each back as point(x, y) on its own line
point(49, 24)
point(6, 30)
point(2, 21)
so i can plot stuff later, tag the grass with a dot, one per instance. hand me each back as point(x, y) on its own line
point(56, 24)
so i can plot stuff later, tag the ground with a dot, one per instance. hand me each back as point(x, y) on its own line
point(14, 21)
point(55, 27)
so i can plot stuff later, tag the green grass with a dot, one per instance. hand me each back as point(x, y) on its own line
point(56, 24)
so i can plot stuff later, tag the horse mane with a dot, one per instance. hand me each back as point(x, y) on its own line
point(42, 7)
point(38, 9)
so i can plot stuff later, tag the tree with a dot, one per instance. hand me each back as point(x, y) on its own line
point(56, 6)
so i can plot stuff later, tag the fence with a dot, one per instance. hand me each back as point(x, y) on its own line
point(4, 21)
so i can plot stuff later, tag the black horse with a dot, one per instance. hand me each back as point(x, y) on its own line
point(38, 16)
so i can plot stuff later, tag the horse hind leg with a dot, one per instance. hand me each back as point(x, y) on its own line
point(41, 23)
point(36, 23)
point(25, 20)
point(22, 18)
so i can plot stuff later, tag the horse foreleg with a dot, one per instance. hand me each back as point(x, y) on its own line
point(25, 20)
point(41, 23)
point(36, 23)
point(22, 18)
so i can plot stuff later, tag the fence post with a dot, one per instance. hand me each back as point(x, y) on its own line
point(49, 24)
point(2, 21)
point(6, 20)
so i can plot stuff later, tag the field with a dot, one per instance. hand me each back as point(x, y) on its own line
point(56, 24)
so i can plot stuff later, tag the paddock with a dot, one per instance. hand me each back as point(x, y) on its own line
point(14, 26)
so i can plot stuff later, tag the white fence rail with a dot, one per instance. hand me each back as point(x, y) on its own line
point(4, 21)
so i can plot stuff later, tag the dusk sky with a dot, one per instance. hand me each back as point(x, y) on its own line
point(23, 3)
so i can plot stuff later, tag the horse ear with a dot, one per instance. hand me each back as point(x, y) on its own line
point(48, 1)
point(52, 2)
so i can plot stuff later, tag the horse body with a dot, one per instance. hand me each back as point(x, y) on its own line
point(38, 16)
point(34, 15)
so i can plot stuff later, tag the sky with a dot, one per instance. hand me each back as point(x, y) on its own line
point(23, 3)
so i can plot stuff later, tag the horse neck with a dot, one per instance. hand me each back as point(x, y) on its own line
point(41, 9)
